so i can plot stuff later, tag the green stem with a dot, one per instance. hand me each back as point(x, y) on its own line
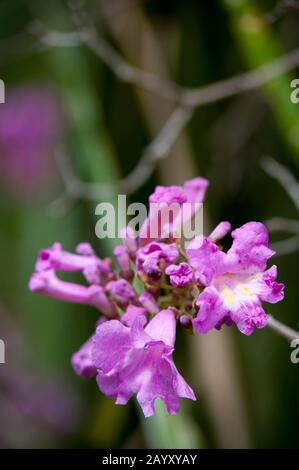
point(170, 432)
point(259, 46)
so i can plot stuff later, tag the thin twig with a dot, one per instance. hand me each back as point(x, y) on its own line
point(187, 100)
point(158, 148)
point(284, 177)
point(187, 97)
point(282, 329)
point(87, 35)
point(276, 224)
point(286, 247)
point(279, 224)
point(244, 82)
point(281, 8)
point(291, 4)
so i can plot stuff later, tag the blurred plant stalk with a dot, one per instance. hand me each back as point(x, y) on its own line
point(259, 46)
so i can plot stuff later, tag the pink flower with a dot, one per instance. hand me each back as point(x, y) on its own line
point(94, 269)
point(180, 275)
point(154, 257)
point(220, 231)
point(122, 256)
point(82, 361)
point(130, 354)
point(122, 292)
point(236, 282)
point(131, 313)
point(141, 363)
point(166, 212)
point(168, 195)
point(149, 302)
point(130, 240)
point(47, 283)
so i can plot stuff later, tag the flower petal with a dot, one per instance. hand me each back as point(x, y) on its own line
point(163, 327)
point(250, 248)
point(82, 361)
point(212, 312)
point(110, 343)
point(249, 316)
point(206, 258)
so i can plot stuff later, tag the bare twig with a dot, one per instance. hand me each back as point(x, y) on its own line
point(159, 147)
point(286, 247)
point(284, 177)
point(276, 224)
point(244, 82)
point(186, 99)
point(291, 4)
point(59, 38)
point(282, 329)
point(281, 8)
point(279, 224)
point(122, 69)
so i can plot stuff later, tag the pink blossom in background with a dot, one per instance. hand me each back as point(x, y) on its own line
point(30, 126)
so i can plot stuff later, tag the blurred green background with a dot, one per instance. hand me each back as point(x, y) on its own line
point(62, 94)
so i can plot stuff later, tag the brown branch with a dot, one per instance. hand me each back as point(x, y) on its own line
point(166, 89)
point(187, 101)
point(158, 149)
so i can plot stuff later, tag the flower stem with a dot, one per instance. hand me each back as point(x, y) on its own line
point(282, 329)
point(163, 431)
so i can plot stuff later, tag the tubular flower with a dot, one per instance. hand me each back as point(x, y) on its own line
point(154, 257)
point(131, 313)
point(180, 275)
point(47, 283)
point(122, 292)
point(142, 364)
point(94, 269)
point(220, 231)
point(149, 302)
point(235, 282)
point(163, 223)
point(122, 256)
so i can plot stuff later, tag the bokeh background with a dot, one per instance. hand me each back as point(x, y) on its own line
point(68, 112)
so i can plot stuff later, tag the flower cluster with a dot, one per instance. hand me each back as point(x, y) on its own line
point(158, 285)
